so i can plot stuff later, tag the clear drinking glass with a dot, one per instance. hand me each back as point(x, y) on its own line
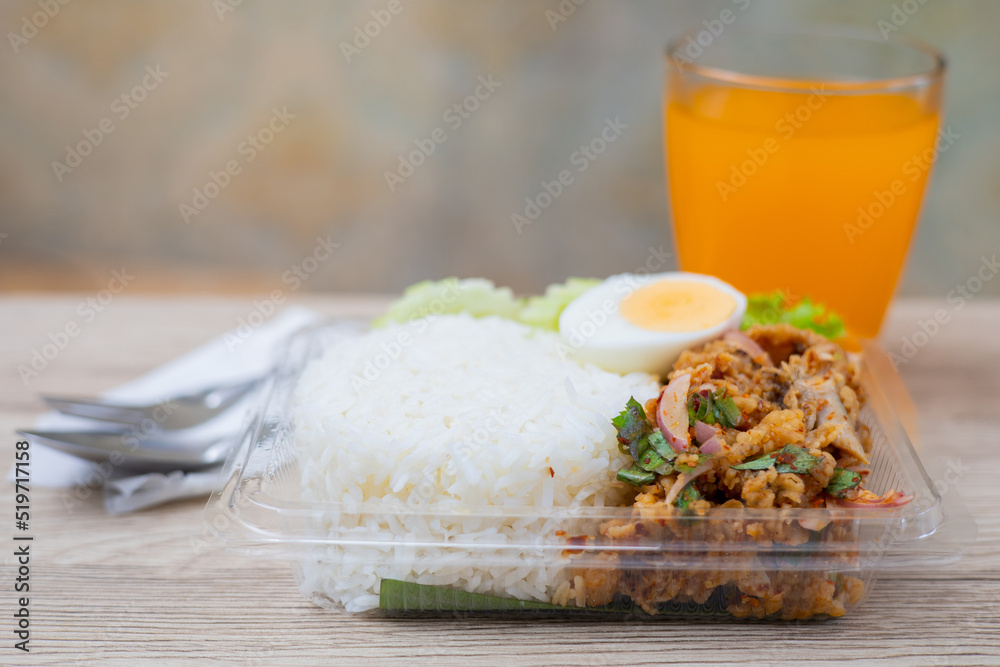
point(797, 159)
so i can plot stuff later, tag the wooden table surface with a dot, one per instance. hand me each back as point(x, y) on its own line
point(131, 589)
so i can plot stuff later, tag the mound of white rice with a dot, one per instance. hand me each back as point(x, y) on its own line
point(412, 427)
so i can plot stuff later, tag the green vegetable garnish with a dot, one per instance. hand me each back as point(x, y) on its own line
point(726, 412)
point(633, 427)
point(638, 437)
point(796, 459)
point(405, 596)
point(475, 296)
point(480, 297)
point(395, 595)
point(543, 311)
point(662, 447)
point(789, 458)
point(680, 467)
point(777, 307)
point(842, 481)
point(700, 409)
point(636, 476)
point(688, 495)
point(650, 460)
point(714, 408)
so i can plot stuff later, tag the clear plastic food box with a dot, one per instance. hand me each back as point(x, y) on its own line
point(735, 563)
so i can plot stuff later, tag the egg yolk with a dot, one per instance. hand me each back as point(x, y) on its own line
point(677, 305)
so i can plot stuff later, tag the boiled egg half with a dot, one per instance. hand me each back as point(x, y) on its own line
point(634, 322)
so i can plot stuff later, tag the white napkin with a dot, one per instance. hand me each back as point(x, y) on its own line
point(228, 359)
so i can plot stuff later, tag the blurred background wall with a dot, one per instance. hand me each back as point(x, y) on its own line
point(224, 137)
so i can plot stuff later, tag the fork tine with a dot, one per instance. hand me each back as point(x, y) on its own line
point(179, 412)
point(94, 409)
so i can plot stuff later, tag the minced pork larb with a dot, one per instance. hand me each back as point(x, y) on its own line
point(766, 419)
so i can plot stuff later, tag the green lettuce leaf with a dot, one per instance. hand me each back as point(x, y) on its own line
point(777, 308)
point(543, 311)
point(477, 296)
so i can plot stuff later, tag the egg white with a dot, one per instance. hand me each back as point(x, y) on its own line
point(593, 328)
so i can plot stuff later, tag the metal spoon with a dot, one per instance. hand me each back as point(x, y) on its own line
point(178, 412)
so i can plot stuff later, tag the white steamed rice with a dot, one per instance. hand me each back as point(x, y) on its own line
point(438, 416)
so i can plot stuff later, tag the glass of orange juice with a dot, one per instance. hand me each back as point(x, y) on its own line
point(797, 160)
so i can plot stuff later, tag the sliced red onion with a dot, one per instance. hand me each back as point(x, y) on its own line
point(748, 345)
point(894, 499)
point(672, 414)
point(684, 479)
point(704, 432)
point(711, 446)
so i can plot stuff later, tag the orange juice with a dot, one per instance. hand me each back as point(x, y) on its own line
point(815, 192)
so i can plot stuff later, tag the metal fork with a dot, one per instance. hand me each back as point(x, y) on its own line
point(179, 412)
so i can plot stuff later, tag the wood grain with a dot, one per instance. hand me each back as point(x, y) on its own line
point(132, 590)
